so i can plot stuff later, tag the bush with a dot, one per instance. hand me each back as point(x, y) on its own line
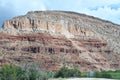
point(117, 71)
point(33, 72)
point(66, 73)
point(10, 72)
point(102, 75)
point(30, 72)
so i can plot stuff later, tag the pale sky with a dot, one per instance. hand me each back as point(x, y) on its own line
point(105, 9)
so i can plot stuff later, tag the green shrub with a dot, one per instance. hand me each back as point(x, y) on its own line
point(118, 71)
point(33, 72)
point(30, 72)
point(10, 72)
point(65, 73)
point(102, 75)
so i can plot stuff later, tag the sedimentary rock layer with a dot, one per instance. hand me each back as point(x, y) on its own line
point(56, 38)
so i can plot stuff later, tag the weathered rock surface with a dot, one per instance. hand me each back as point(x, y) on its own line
point(56, 38)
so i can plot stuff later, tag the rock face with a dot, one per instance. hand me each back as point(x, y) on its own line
point(52, 22)
point(56, 38)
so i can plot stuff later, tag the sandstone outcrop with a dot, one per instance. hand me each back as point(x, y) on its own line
point(56, 38)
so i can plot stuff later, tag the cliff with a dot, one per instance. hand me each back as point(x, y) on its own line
point(57, 38)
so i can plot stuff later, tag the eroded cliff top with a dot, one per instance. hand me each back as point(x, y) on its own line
point(69, 24)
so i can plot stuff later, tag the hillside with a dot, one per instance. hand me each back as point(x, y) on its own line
point(53, 39)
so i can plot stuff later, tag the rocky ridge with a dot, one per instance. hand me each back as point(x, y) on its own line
point(57, 38)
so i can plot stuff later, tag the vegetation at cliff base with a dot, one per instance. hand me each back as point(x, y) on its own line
point(108, 74)
point(33, 72)
point(66, 73)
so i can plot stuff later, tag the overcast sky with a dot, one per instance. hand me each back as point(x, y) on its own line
point(105, 9)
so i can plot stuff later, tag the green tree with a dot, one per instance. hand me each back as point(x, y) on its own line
point(29, 72)
point(11, 72)
point(65, 73)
